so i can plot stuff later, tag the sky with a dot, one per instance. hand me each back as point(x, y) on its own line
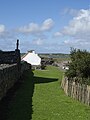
point(46, 26)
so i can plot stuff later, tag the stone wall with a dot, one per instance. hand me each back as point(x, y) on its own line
point(9, 57)
point(9, 74)
point(11, 69)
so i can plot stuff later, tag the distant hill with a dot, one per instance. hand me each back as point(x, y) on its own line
point(54, 55)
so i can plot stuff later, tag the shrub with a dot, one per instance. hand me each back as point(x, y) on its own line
point(79, 65)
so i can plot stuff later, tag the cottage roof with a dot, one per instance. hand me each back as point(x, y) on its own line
point(32, 58)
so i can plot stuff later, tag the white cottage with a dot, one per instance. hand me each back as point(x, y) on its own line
point(32, 58)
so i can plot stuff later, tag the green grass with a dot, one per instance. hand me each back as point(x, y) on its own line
point(40, 97)
point(50, 102)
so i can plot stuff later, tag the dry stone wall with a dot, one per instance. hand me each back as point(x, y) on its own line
point(9, 57)
point(11, 69)
point(9, 74)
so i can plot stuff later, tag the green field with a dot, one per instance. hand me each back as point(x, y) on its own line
point(40, 97)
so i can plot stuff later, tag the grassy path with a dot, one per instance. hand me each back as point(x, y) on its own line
point(40, 97)
point(50, 102)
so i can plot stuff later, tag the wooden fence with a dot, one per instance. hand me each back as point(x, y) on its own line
point(77, 91)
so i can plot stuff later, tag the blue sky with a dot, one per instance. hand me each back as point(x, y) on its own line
point(45, 25)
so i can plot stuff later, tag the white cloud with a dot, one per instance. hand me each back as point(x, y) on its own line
point(7, 38)
point(69, 11)
point(57, 34)
point(38, 41)
point(4, 34)
point(47, 25)
point(34, 28)
point(78, 28)
point(79, 25)
point(2, 28)
point(31, 28)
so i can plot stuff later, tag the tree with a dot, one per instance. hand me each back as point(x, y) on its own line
point(79, 65)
